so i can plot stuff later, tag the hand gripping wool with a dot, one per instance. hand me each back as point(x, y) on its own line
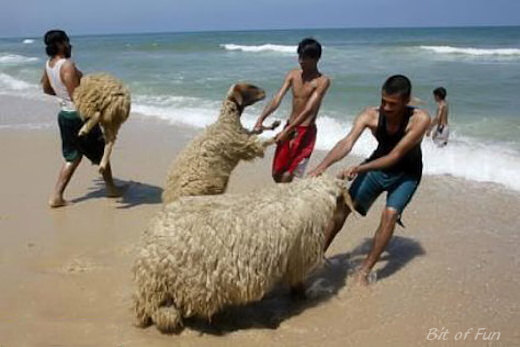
point(203, 253)
point(204, 166)
point(102, 98)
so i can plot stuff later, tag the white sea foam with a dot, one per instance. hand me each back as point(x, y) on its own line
point(464, 157)
point(28, 41)
point(261, 48)
point(9, 83)
point(15, 59)
point(27, 126)
point(509, 52)
point(180, 110)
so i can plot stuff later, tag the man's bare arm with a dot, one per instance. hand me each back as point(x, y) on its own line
point(344, 146)
point(70, 76)
point(275, 102)
point(412, 138)
point(443, 114)
point(46, 84)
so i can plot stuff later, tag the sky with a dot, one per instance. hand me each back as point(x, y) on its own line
point(24, 18)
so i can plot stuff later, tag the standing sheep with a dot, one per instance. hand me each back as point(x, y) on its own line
point(204, 166)
point(102, 98)
point(201, 254)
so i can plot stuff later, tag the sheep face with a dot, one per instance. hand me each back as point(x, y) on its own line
point(244, 94)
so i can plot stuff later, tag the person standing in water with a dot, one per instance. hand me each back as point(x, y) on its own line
point(439, 124)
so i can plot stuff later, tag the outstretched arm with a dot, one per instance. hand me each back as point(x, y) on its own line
point(312, 104)
point(412, 138)
point(274, 103)
point(344, 146)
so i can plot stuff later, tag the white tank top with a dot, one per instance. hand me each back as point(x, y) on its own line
point(53, 73)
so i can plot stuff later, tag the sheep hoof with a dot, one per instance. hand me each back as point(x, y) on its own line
point(275, 124)
point(82, 132)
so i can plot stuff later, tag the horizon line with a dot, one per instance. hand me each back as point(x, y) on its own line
point(277, 29)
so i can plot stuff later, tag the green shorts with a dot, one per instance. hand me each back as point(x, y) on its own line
point(74, 146)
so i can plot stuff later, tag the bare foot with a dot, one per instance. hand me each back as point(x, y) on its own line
point(57, 202)
point(116, 191)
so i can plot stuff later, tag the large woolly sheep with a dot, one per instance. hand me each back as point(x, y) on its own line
point(204, 166)
point(102, 98)
point(203, 253)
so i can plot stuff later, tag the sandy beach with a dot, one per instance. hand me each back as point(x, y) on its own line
point(66, 273)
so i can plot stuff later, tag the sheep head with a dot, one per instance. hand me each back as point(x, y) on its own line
point(244, 94)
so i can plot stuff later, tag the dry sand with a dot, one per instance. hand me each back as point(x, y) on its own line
point(66, 273)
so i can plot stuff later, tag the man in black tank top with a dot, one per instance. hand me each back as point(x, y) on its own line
point(395, 166)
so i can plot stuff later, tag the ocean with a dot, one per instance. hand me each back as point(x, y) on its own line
point(183, 77)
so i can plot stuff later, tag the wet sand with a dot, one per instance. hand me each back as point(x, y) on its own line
point(66, 273)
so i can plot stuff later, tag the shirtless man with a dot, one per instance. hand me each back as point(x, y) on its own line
point(395, 166)
point(60, 78)
point(439, 124)
point(296, 142)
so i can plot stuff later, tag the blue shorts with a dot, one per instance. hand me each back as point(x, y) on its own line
point(367, 186)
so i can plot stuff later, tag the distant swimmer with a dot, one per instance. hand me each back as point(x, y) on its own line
point(439, 125)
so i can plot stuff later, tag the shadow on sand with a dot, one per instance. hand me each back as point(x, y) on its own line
point(321, 286)
point(136, 193)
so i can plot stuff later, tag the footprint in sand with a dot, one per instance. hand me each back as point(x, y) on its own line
point(76, 266)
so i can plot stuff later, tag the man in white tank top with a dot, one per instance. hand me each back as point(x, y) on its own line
point(60, 78)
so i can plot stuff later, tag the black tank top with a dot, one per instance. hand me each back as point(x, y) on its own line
point(411, 163)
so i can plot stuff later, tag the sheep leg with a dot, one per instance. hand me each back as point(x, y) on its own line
point(273, 126)
point(269, 142)
point(106, 156)
point(89, 124)
point(143, 320)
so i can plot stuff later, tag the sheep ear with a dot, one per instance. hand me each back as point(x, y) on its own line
point(235, 95)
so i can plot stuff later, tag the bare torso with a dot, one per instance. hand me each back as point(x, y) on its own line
point(442, 113)
point(302, 88)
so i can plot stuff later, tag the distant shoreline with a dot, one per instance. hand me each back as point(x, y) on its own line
point(33, 35)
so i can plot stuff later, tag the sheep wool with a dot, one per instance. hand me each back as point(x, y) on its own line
point(201, 254)
point(204, 166)
point(102, 98)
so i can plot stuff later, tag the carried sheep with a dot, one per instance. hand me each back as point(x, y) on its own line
point(102, 98)
point(203, 253)
point(204, 166)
